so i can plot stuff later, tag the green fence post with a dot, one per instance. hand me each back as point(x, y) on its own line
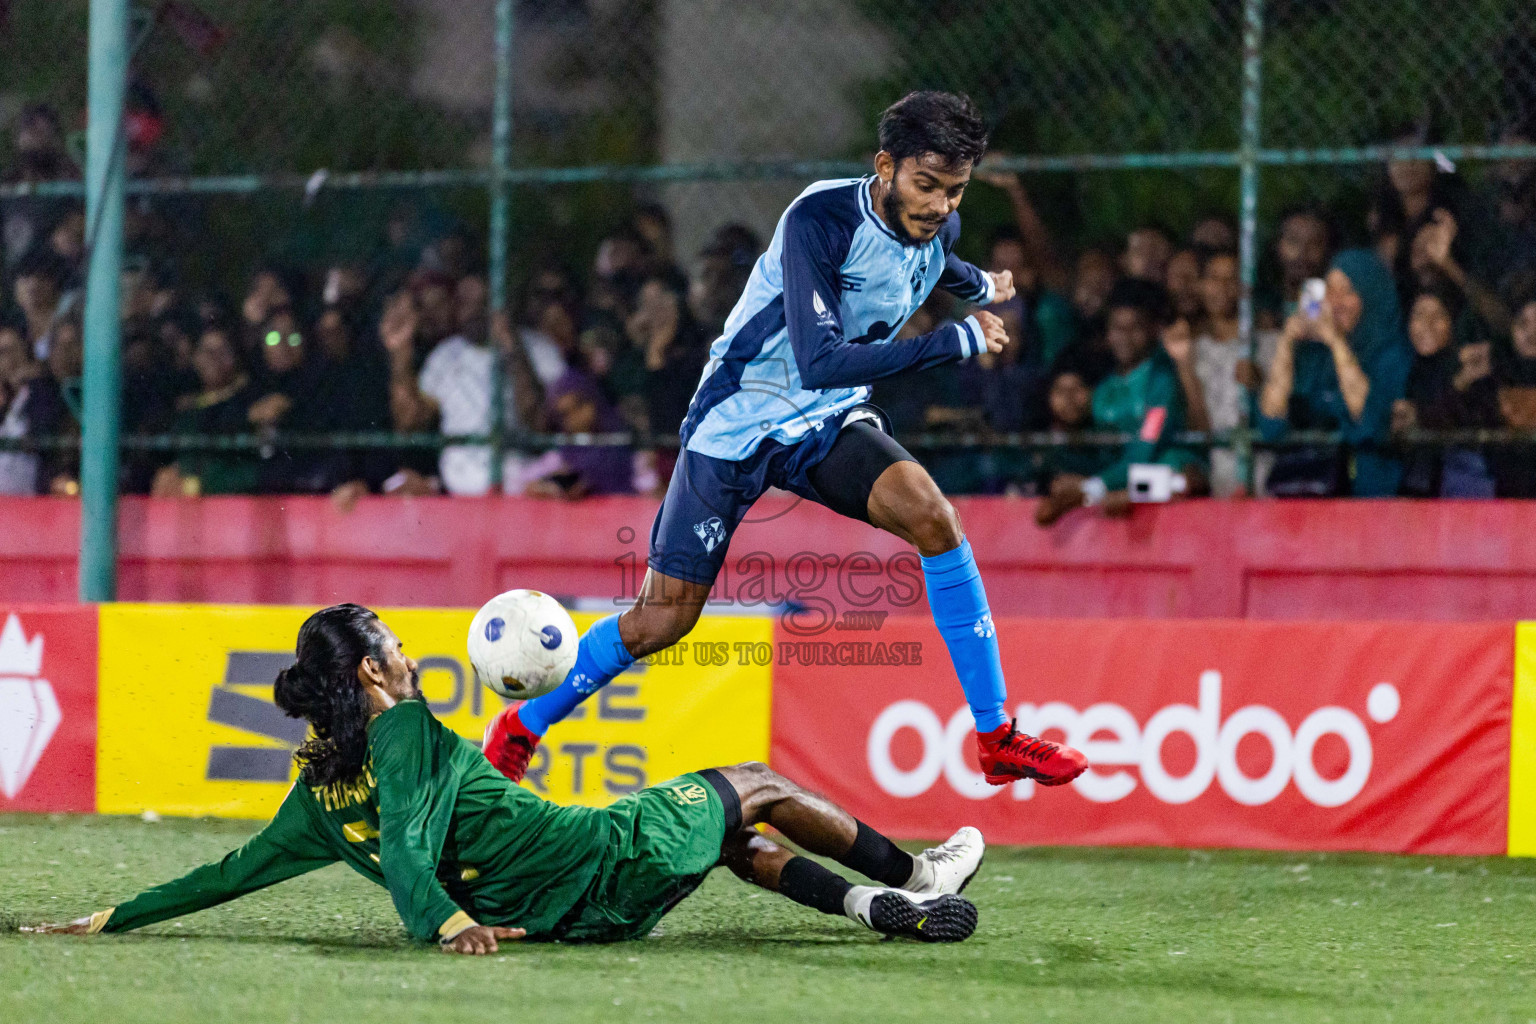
point(1248, 165)
point(501, 201)
point(108, 78)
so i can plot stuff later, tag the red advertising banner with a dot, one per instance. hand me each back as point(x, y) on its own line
point(1307, 736)
point(47, 708)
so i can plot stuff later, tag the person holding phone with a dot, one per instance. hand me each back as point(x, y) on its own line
point(1340, 363)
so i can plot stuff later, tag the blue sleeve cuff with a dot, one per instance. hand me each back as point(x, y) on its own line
point(972, 340)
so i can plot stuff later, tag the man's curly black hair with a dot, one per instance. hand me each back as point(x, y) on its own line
point(945, 124)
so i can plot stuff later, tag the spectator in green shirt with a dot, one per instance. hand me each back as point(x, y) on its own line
point(1142, 397)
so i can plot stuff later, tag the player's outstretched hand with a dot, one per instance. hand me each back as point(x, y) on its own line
point(1003, 280)
point(478, 940)
point(992, 330)
point(79, 926)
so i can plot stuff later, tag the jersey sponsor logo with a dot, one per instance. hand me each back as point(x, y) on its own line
point(1152, 425)
point(852, 282)
point(29, 710)
point(711, 533)
point(824, 316)
point(688, 794)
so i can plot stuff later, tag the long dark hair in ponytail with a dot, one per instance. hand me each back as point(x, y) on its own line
point(322, 687)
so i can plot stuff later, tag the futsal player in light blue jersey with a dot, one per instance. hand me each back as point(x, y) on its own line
point(783, 402)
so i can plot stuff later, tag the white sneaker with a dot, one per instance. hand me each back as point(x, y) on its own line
point(949, 868)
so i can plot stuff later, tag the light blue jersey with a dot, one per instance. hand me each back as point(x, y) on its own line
point(813, 329)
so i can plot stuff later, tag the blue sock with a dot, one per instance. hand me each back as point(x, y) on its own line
point(959, 604)
point(600, 656)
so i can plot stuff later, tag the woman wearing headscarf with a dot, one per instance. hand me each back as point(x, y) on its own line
point(1449, 387)
point(1340, 370)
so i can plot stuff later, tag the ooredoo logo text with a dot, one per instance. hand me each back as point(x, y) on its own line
point(1125, 753)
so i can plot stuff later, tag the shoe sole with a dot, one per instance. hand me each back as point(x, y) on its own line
point(1059, 780)
point(945, 919)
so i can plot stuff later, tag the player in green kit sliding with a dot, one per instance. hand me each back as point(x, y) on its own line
point(470, 858)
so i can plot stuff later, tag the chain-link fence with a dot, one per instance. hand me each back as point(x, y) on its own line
point(391, 138)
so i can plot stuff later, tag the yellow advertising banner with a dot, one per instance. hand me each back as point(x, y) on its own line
point(186, 723)
point(1522, 746)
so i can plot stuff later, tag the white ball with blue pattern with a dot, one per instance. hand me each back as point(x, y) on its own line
point(522, 644)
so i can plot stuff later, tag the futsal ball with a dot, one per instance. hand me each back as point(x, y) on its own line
point(522, 644)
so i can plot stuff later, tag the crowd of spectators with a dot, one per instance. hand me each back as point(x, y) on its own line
point(387, 347)
point(1429, 321)
point(1425, 320)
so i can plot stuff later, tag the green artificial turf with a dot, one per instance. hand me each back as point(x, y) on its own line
point(1078, 935)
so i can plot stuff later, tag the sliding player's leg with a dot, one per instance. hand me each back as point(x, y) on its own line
point(705, 502)
point(868, 475)
point(918, 896)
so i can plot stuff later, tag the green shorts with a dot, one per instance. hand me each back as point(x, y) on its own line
point(663, 841)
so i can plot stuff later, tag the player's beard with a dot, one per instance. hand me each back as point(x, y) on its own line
point(893, 208)
point(416, 684)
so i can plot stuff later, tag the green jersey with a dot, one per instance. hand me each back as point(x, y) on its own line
point(456, 843)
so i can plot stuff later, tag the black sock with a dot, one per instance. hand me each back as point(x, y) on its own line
point(875, 856)
point(811, 885)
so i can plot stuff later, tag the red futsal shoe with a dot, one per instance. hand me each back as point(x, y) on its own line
point(1007, 755)
point(508, 745)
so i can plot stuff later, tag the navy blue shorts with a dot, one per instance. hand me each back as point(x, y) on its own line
point(708, 497)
